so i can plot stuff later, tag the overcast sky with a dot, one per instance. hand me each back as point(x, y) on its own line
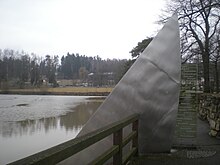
point(108, 28)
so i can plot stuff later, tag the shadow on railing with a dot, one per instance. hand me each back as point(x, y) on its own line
point(63, 151)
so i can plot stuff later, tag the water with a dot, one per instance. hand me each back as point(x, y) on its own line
point(32, 123)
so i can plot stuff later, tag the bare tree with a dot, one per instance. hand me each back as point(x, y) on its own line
point(198, 20)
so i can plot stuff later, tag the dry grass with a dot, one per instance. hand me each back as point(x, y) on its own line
point(65, 90)
point(80, 89)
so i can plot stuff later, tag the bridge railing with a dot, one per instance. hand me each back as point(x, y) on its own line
point(63, 151)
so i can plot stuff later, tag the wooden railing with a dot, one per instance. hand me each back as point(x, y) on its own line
point(63, 151)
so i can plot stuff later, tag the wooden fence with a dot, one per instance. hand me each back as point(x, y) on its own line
point(63, 151)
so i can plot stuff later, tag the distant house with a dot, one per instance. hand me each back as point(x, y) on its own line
point(101, 79)
point(64, 82)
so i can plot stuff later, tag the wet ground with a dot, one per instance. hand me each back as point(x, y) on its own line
point(205, 151)
point(29, 124)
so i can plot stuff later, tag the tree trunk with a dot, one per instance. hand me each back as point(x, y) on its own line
point(216, 76)
point(205, 58)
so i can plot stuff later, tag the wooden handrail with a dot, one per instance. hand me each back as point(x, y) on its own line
point(61, 152)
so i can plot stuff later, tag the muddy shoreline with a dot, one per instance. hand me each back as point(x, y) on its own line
point(55, 93)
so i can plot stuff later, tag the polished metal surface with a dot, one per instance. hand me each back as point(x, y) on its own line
point(150, 88)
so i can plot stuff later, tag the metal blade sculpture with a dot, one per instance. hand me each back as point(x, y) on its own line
point(150, 88)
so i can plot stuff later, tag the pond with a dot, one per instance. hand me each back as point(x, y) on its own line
point(32, 123)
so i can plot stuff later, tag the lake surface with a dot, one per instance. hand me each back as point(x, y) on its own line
point(32, 123)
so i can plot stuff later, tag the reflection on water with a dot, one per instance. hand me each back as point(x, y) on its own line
point(72, 120)
point(79, 116)
point(22, 138)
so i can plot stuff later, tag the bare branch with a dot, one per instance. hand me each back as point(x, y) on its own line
point(215, 27)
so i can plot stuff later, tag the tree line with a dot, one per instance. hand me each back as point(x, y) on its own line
point(20, 68)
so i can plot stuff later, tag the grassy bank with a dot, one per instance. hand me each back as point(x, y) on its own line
point(79, 91)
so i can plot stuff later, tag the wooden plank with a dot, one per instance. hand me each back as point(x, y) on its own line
point(132, 153)
point(135, 126)
point(129, 138)
point(117, 140)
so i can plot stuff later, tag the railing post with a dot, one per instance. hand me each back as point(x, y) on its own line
point(117, 140)
point(135, 140)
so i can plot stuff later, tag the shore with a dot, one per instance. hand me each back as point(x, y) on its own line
point(76, 91)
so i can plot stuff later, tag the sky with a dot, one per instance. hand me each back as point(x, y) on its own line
point(108, 28)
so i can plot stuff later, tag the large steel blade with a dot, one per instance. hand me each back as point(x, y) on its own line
point(150, 88)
